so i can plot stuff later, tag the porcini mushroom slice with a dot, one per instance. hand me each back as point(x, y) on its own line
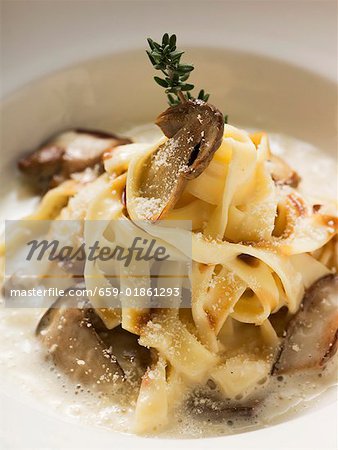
point(133, 358)
point(76, 348)
point(194, 130)
point(210, 406)
point(69, 153)
point(282, 173)
point(201, 125)
point(311, 336)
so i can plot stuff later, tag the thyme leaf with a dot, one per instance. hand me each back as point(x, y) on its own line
point(166, 58)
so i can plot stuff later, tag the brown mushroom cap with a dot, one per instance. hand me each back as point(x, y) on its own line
point(86, 351)
point(208, 405)
point(199, 127)
point(195, 131)
point(311, 336)
point(70, 152)
point(76, 348)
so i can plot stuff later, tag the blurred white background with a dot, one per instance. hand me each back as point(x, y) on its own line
point(39, 36)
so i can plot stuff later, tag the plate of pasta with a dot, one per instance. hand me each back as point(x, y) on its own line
point(225, 321)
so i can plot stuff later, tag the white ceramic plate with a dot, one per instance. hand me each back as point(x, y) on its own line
point(256, 91)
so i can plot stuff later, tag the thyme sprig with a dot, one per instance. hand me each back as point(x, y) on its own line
point(167, 58)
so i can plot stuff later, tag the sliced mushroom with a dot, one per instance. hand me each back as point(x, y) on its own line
point(200, 126)
point(133, 358)
point(195, 131)
point(311, 336)
point(76, 348)
point(48, 159)
point(69, 153)
point(85, 350)
point(282, 173)
point(210, 406)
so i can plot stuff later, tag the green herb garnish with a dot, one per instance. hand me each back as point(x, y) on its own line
point(166, 58)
